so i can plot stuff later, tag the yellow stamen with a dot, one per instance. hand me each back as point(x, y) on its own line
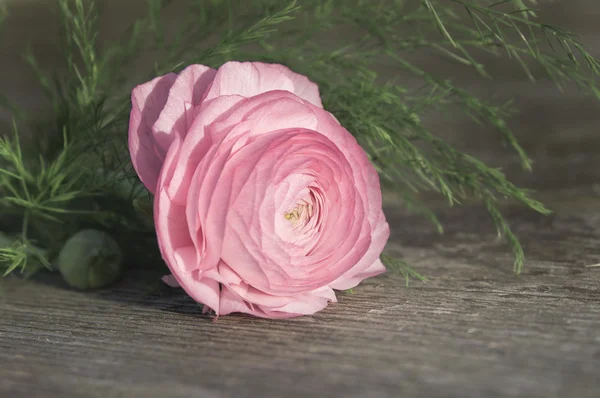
point(294, 215)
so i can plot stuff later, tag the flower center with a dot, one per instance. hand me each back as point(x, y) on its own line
point(304, 216)
point(300, 214)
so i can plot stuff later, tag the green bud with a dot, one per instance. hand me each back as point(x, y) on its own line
point(90, 259)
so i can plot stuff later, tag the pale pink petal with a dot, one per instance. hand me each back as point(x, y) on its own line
point(196, 144)
point(186, 92)
point(369, 265)
point(203, 290)
point(248, 79)
point(300, 307)
point(231, 303)
point(171, 235)
point(191, 112)
point(170, 280)
point(185, 258)
point(175, 242)
point(348, 282)
point(325, 293)
point(303, 87)
point(279, 114)
point(147, 100)
point(150, 98)
point(307, 304)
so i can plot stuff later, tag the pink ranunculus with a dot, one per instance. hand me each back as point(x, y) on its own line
point(264, 203)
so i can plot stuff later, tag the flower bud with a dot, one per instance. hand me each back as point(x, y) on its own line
point(90, 259)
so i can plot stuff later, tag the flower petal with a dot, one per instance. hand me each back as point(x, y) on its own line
point(369, 265)
point(203, 290)
point(303, 87)
point(187, 91)
point(305, 304)
point(196, 144)
point(147, 100)
point(248, 79)
point(170, 280)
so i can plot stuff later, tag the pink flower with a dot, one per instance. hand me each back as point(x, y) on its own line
point(264, 203)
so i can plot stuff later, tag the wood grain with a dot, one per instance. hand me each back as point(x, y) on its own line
point(473, 330)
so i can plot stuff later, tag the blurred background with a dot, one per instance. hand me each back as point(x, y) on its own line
point(559, 130)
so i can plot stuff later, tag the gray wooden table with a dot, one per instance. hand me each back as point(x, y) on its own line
point(473, 330)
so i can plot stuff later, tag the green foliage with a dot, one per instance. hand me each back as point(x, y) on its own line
point(41, 189)
point(401, 267)
point(22, 255)
point(340, 44)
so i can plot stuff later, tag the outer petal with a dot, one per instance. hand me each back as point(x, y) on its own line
point(171, 235)
point(170, 280)
point(369, 265)
point(305, 304)
point(147, 100)
point(187, 92)
point(253, 78)
point(303, 87)
point(174, 240)
point(208, 290)
point(160, 111)
point(196, 144)
point(349, 281)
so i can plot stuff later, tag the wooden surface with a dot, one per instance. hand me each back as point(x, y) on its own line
point(474, 330)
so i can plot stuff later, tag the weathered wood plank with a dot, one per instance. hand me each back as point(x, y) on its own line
point(473, 330)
